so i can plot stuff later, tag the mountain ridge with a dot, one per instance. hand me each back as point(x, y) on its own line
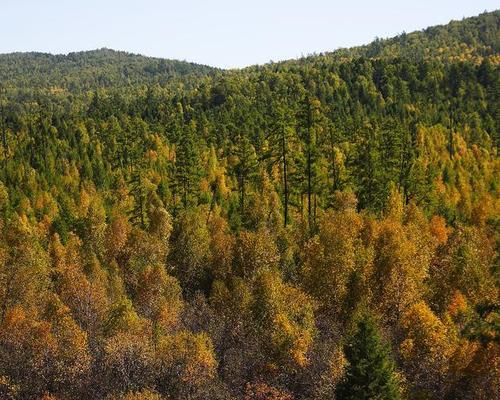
point(485, 42)
point(95, 68)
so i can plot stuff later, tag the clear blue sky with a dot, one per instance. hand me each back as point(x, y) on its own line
point(224, 33)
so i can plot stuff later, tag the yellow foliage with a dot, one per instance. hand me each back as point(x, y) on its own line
point(287, 317)
point(331, 257)
point(188, 357)
point(458, 304)
point(438, 229)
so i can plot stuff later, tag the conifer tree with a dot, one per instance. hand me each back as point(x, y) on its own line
point(245, 168)
point(137, 190)
point(3, 127)
point(367, 171)
point(187, 174)
point(280, 139)
point(370, 373)
point(309, 117)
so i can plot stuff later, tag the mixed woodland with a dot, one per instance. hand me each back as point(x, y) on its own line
point(318, 228)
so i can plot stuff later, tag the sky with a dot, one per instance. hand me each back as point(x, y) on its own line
point(221, 33)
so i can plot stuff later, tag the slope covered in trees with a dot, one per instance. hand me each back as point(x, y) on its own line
point(469, 39)
point(88, 70)
point(287, 231)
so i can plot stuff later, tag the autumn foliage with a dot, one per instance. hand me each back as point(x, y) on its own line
point(322, 228)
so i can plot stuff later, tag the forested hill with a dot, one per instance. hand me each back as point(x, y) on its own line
point(469, 39)
point(91, 69)
point(323, 228)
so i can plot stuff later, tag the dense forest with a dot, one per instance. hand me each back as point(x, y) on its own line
point(319, 228)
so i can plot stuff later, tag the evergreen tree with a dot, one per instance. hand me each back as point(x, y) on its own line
point(367, 170)
point(138, 191)
point(187, 172)
point(370, 373)
point(3, 127)
point(309, 117)
point(245, 168)
point(281, 137)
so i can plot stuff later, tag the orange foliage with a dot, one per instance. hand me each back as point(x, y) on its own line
point(438, 229)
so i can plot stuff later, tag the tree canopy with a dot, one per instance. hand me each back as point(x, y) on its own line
point(175, 231)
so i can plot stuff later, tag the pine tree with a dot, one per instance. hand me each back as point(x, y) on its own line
point(187, 172)
point(138, 191)
point(246, 167)
point(134, 156)
point(309, 117)
point(368, 170)
point(281, 137)
point(334, 157)
point(3, 127)
point(370, 373)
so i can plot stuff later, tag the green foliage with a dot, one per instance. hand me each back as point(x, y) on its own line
point(370, 373)
point(169, 230)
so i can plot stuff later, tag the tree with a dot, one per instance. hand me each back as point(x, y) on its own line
point(127, 364)
point(310, 132)
point(331, 258)
point(403, 253)
point(255, 251)
point(71, 363)
point(370, 372)
point(191, 251)
point(368, 169)
point(281, 139)
point(8, 390)
point(139, 193)
point(159, 298)
point(84, 295)
point(3, 127)
point(95, 225)
point(43, 355)
point(466, 264)
point(186, 363)
point(140, 395)
point(117, 234)
point(284, 316)
point(24, 273)
point(245, 168)
point(221, 248)
point(187, 168)
point(261, 391)
point(426, 351)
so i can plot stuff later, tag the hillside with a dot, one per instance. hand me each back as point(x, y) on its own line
point(470, 38)
point(322, 228)
point(91, 69)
